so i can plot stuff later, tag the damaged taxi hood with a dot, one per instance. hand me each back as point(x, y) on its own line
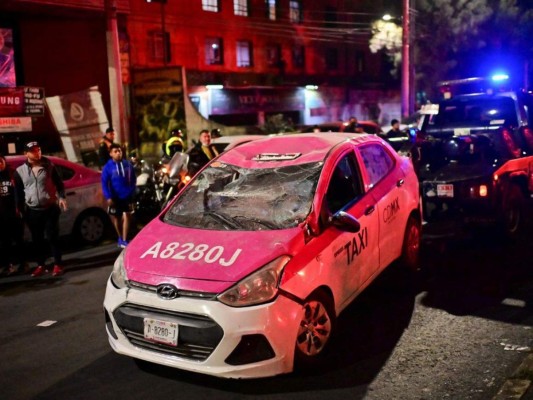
point(203, 260)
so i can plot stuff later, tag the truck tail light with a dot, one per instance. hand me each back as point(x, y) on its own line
point(483, 191)
point(479, 191)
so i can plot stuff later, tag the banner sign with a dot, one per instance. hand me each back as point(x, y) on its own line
point(80, 119)
point(244, 101)
point(21, 102)
point(15, 124)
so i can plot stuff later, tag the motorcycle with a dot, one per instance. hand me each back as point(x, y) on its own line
point(148, 192)
point(175, 175)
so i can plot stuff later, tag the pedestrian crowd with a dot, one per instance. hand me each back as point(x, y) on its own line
point(33, 195)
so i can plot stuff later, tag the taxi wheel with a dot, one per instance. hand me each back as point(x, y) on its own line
point(315, 330)
point(410, 257)
point(512, 212)
point(91, 226)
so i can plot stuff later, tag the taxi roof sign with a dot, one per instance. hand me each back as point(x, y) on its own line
point(276, 156)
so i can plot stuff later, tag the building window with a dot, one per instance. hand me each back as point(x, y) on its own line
point(240, 7)
point(332, 58)
point(155, 45)
point(273, 55)
point(271, 9)
point(295, 11)
point(244, 53)
point(210, 5)
point(214, 53)
point(298, 56)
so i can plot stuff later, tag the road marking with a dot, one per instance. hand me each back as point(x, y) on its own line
point(47, 323)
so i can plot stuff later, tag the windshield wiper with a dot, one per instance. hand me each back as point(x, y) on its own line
point(224, 219)
point(268, 224)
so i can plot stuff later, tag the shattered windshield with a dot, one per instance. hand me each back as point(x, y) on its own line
point(226, 197)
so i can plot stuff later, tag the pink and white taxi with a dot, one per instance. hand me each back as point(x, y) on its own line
point(244, 274)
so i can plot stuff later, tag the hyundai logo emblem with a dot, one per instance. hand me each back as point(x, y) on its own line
point(167, 292)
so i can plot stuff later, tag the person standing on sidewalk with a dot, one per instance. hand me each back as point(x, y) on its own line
point(104, 146)
point(118, 185)
point(12, 232)
point(40, 197)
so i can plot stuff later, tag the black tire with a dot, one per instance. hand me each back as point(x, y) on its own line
point(512, 218)
point(410, 257)
point(315, 330)
point(91, 226)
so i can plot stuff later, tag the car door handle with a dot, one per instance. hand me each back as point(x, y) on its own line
point(369, 210)
point(400, 182)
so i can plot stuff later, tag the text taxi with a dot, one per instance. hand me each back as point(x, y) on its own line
point(245, 273)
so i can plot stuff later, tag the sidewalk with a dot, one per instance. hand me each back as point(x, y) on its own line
point(74, 260)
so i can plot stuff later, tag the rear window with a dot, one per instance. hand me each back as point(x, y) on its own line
point(476, 112)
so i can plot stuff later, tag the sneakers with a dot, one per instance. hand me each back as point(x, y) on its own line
point(57, 270)
point(122, 243)
point(39, 271)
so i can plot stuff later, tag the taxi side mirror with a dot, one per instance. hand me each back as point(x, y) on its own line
point(345, 222)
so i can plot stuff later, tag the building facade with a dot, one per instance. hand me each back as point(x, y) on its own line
point(234, 64)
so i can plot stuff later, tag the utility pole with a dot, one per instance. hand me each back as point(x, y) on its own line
point(406, 59)
point(116, 91)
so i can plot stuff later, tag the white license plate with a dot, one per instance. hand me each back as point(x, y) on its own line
point(161, 331)
point(444, 190)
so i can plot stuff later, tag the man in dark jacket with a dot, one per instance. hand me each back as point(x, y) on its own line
point(12, 227)
point(202, 153)
point(40, 196)
point(118, 186)
point(105, 144)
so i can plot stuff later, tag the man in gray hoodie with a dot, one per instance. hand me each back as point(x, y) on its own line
point(40, 196)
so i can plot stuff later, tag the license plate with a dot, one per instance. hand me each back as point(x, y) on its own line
point(444, 190)
point(161, 331)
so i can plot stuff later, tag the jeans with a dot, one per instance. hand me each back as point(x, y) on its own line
point(41, 223)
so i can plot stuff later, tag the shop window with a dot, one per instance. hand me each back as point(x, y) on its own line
point(240, 7)
point(214, 54)
point(244, 53)
point(298, 56)
point(295, 11)
point(332, 58)
point(156, 43)
point(210, 5)
point(271, 8)
point(273, 55)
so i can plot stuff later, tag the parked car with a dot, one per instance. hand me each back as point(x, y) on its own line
point(246, 271)
point(368, 127)
point(86, 217)
point(225, 143)
point(477, 160)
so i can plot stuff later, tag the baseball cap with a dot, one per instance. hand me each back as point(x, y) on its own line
point(30, 145)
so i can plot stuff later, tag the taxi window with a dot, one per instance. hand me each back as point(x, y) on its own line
point(64, 173)
point(345, 184)
point(378, 162)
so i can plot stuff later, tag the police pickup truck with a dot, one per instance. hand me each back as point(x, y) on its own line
point(476, 167)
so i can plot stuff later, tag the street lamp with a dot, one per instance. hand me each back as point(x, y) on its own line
point(163, 30)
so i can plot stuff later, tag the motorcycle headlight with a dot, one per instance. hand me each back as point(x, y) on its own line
point(260, 287)
point(118, 276)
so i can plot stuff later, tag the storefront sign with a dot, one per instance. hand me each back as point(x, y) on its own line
point(15, 124)
point(21, 102)
point(243, 101)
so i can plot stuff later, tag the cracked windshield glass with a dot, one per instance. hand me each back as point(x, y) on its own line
point(226, 197)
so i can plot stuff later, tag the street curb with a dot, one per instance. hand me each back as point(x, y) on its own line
point(517, 386)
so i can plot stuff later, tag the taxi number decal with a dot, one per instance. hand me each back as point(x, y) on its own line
point(355, 246)
point(191, 252)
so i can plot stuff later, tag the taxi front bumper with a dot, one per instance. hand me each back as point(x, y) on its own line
point(214, 339)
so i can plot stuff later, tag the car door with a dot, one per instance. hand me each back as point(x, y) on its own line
point(384, 180)
point(352, 257)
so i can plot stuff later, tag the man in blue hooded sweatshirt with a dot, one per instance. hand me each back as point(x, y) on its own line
point(118, 185)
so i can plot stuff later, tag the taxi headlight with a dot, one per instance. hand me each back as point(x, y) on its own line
point(118, 276)
point(260, 287)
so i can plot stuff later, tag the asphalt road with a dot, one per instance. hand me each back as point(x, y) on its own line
point(457, 330)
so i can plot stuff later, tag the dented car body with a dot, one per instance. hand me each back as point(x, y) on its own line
point(244, 274)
